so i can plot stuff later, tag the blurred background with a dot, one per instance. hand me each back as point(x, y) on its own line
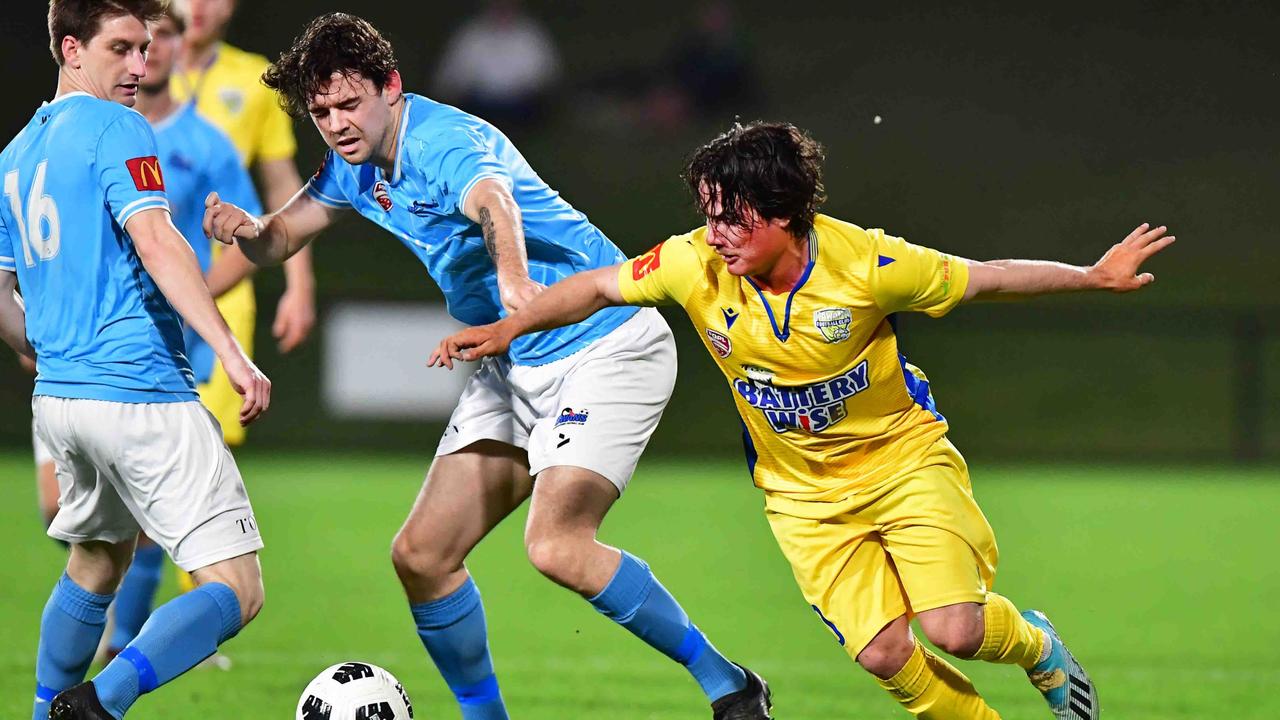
point(989, 131)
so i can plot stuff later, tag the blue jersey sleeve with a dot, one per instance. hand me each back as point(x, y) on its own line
point(8, 260)
point(128, 168)
point(324, 188)
point(462, 159)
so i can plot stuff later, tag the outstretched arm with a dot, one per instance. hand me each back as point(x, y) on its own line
point(571, 300)
point(270, 239)
point(169, 260)
point(13, 321)
point(491, 205)
point(1116, 271)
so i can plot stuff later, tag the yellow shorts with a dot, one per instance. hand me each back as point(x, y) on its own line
point(218, 396)
point(915, 542)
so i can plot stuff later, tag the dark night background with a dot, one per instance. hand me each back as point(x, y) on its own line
point(1035, 130)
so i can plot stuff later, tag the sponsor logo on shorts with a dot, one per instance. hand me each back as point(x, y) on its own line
point(146, 174)
point(569, 416)
point(720, 342)
point(646, 263)
point(809, 408)
point(381, 195)
point(247, 524)
point(833, 323)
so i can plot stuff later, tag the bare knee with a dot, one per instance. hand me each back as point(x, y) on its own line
point(423, 565)
point(956, 629)
point(888, 653)
point(99, 566)
point(244, 576)
point(559, 557)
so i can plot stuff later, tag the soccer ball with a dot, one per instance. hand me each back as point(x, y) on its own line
point(354, 691)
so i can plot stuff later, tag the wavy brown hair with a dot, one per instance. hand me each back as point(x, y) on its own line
point(333, 43)
point(774, 169)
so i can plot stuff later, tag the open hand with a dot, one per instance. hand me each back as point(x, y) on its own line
point(1118, 269)
point(295, 318)
point(225, 222)
point(470, 344)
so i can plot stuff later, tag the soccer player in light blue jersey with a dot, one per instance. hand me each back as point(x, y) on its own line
point(572, 408)
point(197, 158)
point(85, 229)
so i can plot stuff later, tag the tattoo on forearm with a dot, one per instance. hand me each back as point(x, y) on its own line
point(490, 235)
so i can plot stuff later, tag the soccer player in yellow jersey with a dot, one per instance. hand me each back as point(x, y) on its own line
point(223, 83)
point(869, 501)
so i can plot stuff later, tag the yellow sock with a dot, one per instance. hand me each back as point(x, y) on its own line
point(1009, 638)
point(929, 688)
point(185, 582)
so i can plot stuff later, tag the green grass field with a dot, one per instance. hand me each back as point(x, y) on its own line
point(1163, 580)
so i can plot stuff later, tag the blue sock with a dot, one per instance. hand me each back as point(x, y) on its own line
point(137, 592)
point(177, 636)
point(638, 602)
point(453, 630)
point(69, 633)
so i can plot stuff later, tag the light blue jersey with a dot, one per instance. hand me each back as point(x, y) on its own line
point(443, 152)
point(100, 327)
point(198, 158)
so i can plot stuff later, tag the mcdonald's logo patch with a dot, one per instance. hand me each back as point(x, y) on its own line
point(646, 263)
point(146, 173)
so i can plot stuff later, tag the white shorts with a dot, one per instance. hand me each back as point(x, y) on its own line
point(162, 468)
point(43, 456)
point(595, 409)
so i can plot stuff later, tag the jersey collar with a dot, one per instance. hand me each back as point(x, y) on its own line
point(785, 332)
point(397, 169)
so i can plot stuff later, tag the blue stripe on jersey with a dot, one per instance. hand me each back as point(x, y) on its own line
point(443, 153)
point(917, 389)
point(198, 159)
point(100, 327)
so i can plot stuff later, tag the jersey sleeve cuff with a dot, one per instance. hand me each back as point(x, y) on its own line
point(137, 206)
point(327, 201)
point(466, 190)
point(8, 263)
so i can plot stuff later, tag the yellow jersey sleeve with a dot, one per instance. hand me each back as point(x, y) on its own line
point(911, 278)
point(666, 274)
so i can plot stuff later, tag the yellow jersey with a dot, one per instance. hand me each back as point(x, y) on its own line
point(229, 93)
point(828, 403)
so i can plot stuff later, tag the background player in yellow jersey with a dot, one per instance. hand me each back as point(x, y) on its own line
point(223, 83)
point(869, 501)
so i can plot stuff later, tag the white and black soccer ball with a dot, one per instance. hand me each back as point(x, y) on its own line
point(354, 691)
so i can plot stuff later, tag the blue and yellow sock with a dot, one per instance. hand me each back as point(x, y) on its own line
point(638, 602)
point(69, 633)
point(453, 630)
point(177, 636)
point(136, 594)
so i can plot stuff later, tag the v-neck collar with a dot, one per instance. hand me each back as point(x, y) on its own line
point(785, 332)
point(397, 169)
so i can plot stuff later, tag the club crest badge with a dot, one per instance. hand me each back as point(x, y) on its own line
point(381, 195)
point(232, 99)
point(833, 323)
point(720, 343)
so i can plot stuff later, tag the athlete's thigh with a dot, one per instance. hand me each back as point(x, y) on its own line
point(941, 543)
point(597, 409)
point(173, 470)
point(569, 499)
point(466, 494)
point(843, 571)
point(90, 508)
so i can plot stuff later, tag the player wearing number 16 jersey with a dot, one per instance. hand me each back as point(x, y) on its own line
point(869, 501)
point(85, 229)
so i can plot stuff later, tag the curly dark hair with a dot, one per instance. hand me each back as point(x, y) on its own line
point(82, 19)
point(774, 169)
point(333, 43)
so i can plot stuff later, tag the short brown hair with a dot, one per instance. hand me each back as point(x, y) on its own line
point(82, 19)
point(774, 169)
point(333, 43)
